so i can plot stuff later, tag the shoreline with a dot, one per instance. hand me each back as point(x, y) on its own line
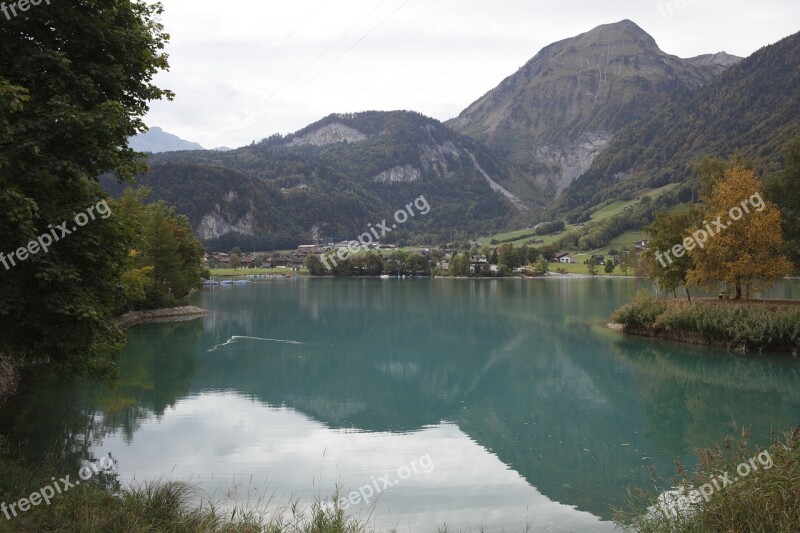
point(168, 314)
point(549, 275)
point(690, 337)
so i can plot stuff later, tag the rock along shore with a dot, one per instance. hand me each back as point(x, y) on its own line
point(133, 318)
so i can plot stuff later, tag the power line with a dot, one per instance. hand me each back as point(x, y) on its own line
point(260, 65)
point(308, 65)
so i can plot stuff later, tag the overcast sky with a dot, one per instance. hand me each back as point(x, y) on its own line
point(245, 69)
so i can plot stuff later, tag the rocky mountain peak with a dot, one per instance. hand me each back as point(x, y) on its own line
point(553, 116)
point(625, 31)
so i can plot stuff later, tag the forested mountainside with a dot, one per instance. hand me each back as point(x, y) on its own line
point(332, 178)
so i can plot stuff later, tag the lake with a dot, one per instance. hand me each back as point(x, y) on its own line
point(460, 402)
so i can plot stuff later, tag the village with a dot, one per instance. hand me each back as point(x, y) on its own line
point(467, 259)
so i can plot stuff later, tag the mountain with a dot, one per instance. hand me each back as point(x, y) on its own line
point(552, 117)
point(336, 176)
point(754, 106)
point(719, 61)
point(155, 141)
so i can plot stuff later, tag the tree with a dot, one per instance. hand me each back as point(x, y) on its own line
point(314, 265)
point(784, 190)
point(533, 255)
point(373, 266)
point(163, 247)
point(744, 254)
point(668, 230)
point(591, 267)
point(416, 263)
point(508, 256)
point(624, 265)
point(75, 81)
point(460, 265)
point(610, 266)
point(549, 251)
point(710, 171)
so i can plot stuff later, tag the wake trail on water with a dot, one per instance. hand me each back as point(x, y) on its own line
point(236, 338)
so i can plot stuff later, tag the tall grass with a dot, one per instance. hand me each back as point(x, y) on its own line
point(766, 500)
point(641, 313)
point(739, 326)
point(168, 506)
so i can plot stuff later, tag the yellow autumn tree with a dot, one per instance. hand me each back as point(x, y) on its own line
point(743, 237)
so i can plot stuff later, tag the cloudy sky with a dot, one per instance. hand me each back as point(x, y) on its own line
point(245, 69)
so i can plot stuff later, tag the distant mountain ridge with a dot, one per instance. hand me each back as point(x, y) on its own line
point(332, 178)
point(560, 110)
point(156, 141)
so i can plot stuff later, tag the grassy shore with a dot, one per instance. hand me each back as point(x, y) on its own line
point(99, 505)
point(233, 272)
point(754, 495)
point(740, 326)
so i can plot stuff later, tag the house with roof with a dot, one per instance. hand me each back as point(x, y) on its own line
point(563, 257)
point(282, 261)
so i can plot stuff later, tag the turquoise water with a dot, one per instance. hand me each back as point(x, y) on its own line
point(506, 402)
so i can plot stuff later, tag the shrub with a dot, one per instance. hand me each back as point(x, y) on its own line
point(641, 313)
point(767, 499)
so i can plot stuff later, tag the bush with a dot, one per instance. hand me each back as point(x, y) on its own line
point(641, 313)
point(766, 499)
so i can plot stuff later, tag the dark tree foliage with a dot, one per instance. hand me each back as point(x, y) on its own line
point(75, 79)
point(784, 189)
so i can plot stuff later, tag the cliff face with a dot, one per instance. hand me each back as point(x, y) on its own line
point(552, 117)
point(329, 134)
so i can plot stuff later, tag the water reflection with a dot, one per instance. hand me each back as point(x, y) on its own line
point(528, 405)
